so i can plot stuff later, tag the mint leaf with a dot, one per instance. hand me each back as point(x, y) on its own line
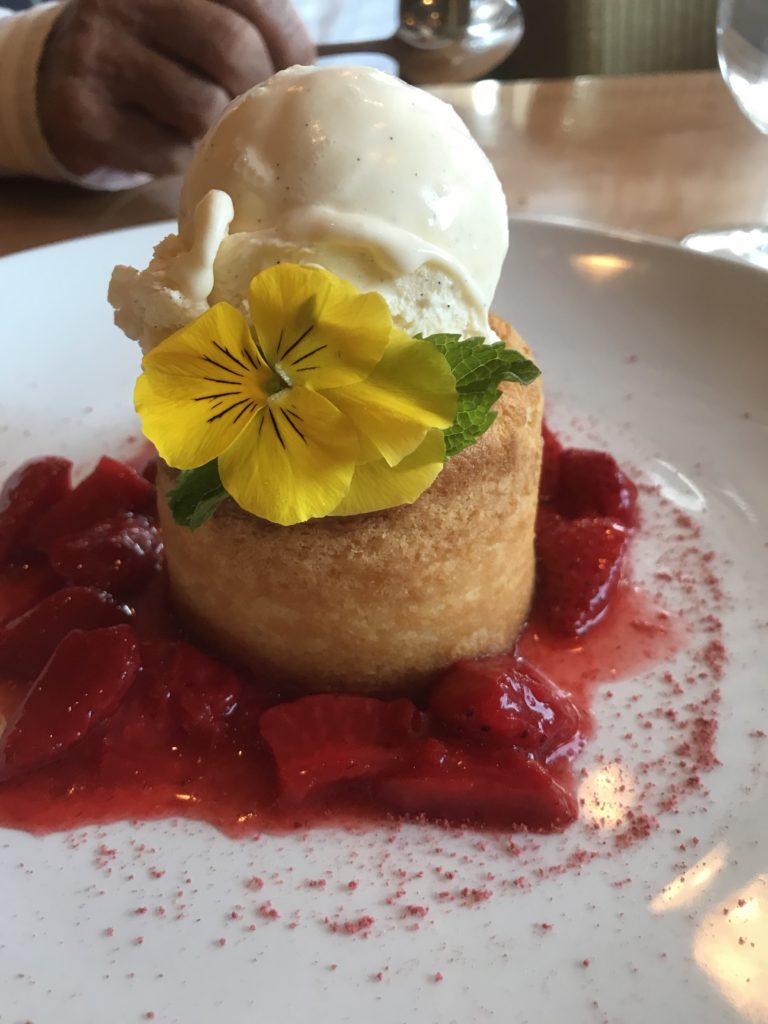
point(478, 369)
point(197, 495)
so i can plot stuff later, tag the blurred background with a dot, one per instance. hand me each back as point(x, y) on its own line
point(593, 37)
point(562, 38)
point(607, 112)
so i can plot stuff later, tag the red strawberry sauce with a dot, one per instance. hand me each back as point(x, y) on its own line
point(111, 712)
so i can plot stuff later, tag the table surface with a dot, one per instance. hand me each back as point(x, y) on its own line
point(657, 154)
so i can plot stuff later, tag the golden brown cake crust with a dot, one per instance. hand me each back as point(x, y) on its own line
point(384, 601)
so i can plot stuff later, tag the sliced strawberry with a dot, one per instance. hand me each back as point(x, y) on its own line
point(550, 464)
point(120, 554)
point(149, 469)
point(144, 461)
point(112, 488)
point(184, 702)
point(28, 642)
point(207, 691)
point(579, 567)
point(28, 494)
point(331, 738)
point(591, 484)
point(504, 701)
point(23, 586)
point(137, 739)
point(501, 788)
point(83, 683)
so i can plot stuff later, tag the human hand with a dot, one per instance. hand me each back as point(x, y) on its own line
point(131, 84)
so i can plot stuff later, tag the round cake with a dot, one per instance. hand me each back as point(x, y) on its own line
point(379, 602)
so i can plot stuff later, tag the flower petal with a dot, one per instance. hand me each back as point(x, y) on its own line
point(317, 329)
point(201, 387)
point(294, 461)
point(410, 391)
point(376, 485)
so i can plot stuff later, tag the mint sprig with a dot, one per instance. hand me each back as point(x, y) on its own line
point(197, 495)
point(478, 369)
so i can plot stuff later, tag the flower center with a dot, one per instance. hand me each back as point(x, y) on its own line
point(278, 382)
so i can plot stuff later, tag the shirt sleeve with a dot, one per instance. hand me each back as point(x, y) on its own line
point(24, 151)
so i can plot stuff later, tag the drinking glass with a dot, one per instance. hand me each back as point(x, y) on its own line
point(440, 40)
point(742, 50)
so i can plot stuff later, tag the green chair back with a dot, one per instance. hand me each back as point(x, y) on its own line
point(564, 38)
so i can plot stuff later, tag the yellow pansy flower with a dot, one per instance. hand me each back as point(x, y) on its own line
point(320, 406)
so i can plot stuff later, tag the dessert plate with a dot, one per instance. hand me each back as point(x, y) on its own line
point(654, 906)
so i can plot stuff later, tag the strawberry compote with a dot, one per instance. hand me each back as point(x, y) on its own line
point(109, 710)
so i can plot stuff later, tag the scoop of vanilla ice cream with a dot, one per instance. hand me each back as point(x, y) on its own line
point(346, 168)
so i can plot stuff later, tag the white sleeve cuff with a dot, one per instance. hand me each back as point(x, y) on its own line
point(24, 151)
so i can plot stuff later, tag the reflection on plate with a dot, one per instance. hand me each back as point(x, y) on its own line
point(653, 906)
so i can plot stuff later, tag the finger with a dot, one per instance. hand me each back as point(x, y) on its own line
point(169, 93)
point(152, 147)
point(213, 41)
point(138, 143)
point(285, 34)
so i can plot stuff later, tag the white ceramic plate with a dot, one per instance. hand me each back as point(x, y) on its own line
point(662, 355)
